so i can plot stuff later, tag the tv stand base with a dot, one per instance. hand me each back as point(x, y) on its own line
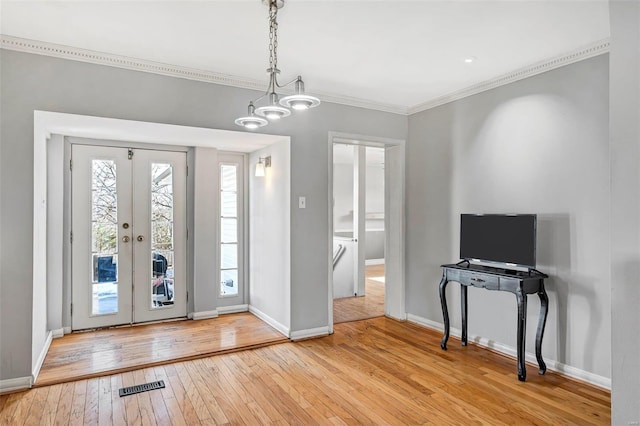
point(519, 283)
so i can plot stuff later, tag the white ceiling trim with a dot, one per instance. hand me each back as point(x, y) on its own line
point(83, 55)
point(47, 123)
point(594, 49)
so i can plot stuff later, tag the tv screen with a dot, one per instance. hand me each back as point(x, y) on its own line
point(499, 238)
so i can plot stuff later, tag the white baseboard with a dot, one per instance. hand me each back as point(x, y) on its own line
point(13, 385)
point(41, 357)
point(427, 323)
point(374, 262)
point(311, 332)
point(57, 333)
point(567, 370)
point(232, 309)
point(401, 317)
point(273, 323)
point(66, 330)
point(204, 315)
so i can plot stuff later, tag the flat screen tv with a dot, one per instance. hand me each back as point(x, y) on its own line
point(499, 238)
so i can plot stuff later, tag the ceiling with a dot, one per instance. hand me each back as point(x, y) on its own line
point(394, 53)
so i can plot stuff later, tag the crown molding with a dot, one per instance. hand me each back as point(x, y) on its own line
point(362, 103)
point(19, 44)
point(594, 49)
point(83, 55)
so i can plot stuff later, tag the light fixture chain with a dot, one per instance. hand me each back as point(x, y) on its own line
point(273, 35)
point(273, 111)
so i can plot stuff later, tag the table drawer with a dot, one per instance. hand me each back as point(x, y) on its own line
point(477, 279)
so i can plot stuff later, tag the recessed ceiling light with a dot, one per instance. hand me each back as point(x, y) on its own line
point(469, 59)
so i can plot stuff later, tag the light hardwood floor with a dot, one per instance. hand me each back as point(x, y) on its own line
point(369, 306)
point(377, 371)
point(90, 354)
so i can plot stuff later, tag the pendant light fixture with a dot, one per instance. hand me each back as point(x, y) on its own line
point(276, 108)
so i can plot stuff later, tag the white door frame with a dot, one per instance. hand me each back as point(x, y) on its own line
point(393, 220)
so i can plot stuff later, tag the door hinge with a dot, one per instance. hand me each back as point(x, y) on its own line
point(187, 170)
point(70, 164)
point(130, 154)
point(187, 297)
point(72, 309)
point(71, 237)
point(187, 234)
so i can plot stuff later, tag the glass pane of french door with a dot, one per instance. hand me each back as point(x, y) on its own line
point(101, 252)
point(104, 237)
point(162, 254)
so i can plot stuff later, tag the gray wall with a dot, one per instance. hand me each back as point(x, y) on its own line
point(625, 211)
point(540, 145)
point(30, 82)
point(270, 236)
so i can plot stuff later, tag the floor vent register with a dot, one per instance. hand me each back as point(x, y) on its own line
point(131, 390)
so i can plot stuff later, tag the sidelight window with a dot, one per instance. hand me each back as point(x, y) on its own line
point(228, 230)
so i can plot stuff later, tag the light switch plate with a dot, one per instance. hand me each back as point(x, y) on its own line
point(302, 202)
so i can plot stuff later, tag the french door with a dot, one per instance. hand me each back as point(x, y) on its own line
point(128, 217)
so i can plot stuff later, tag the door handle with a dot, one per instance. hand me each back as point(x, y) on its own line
point(140, 238)
point(125, 239)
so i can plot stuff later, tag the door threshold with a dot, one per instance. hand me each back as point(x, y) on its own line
point(137, 324)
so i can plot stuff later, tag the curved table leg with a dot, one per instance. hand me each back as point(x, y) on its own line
point(445, 312)
point(463, 308)
point(544, 310)
point(522, 329)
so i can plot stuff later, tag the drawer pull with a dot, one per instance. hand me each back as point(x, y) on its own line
point(478, 280)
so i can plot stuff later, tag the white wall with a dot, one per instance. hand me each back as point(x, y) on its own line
point(55, 238)
point(374, 181)
point(625, 211)
point(539, 145)
point(39, 268)
point(374, 190)
point(343, 205)
point(270, 237)
point(343, 197)
point(205, 238)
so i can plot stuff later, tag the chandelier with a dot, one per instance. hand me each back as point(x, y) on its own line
point(276, 108)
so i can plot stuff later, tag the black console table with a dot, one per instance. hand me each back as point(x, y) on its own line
point(520, 283)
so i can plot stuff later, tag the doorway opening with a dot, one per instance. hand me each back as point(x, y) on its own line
point(358, 195)
point(366, 232)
